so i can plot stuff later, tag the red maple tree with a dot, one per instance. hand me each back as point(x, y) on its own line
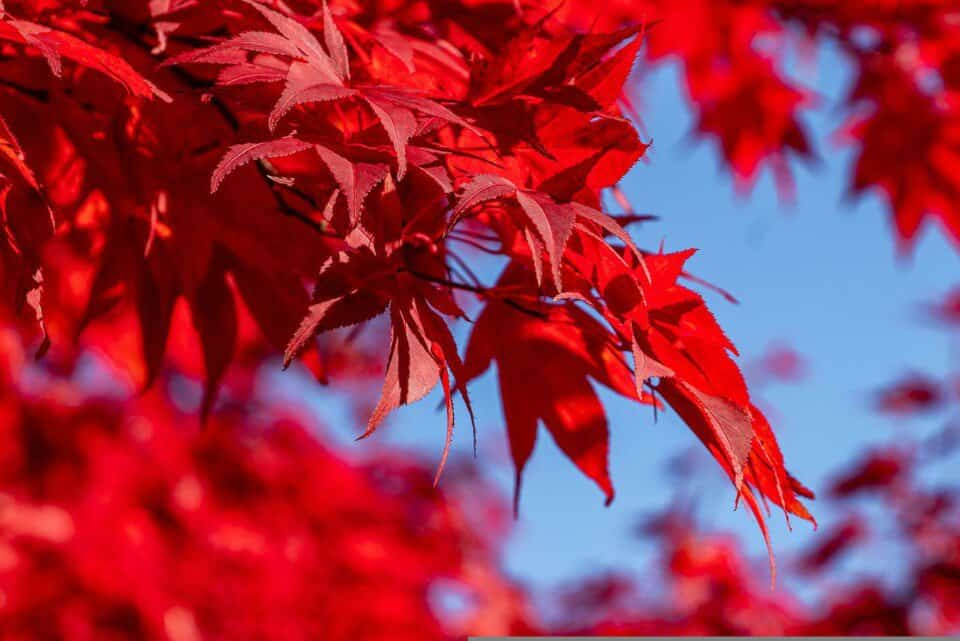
point(191, 188)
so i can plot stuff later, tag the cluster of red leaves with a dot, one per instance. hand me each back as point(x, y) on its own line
point(904, 103)
point(117, 522)
point(370, 151)
point(742, 98)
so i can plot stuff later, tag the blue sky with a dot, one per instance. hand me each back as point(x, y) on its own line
point(820, 275)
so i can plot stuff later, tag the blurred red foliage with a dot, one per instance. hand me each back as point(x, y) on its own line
point(736, 60)
point(911, 395)
point(120, 520)
point(948, 310)
point(706, 586)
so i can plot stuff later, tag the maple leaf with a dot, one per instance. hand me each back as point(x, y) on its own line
point(708, 391)
point(314, 75)
point(355, 287)
point(741, 440)
point(327, 63)
point(318, 75)
point(923, 134)
point(300, 90)
point(552, 222)
point(729, 427)
point(520, 341)
point(340, 299)
point(752, 112)
point(676, 340)
point(55, 45)
point(239, 155)
point(422, 350)
point(356, 180)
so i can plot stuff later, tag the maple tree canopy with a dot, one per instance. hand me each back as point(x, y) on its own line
point(211, 182)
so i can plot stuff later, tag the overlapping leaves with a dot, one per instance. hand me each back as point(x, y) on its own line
point(295, 159)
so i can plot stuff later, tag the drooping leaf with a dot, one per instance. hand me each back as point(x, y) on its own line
point(560, 395)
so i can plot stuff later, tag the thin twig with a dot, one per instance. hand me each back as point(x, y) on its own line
point(480, 290)
point(286, 208)
point(474, 244)
point(476, 289)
